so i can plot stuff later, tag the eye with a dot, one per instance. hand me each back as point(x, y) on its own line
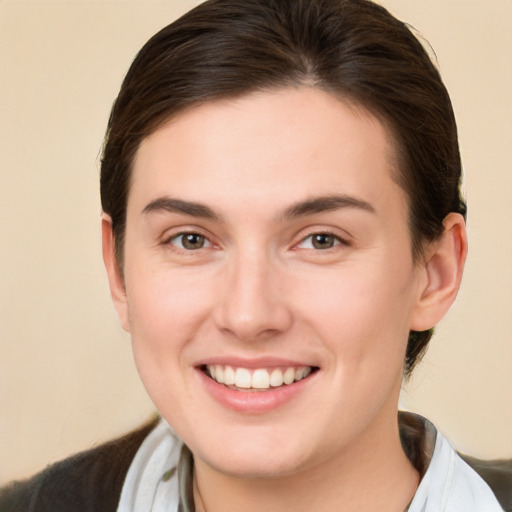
point(190, 241)
point(321, 241)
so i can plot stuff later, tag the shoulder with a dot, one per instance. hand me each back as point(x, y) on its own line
point(498, 476)
point(432, 455)
point(86, 482)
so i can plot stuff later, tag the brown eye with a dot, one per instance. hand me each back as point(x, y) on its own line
point(323, 241)
point(190, 241)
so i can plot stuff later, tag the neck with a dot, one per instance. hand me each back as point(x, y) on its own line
point(373, 474)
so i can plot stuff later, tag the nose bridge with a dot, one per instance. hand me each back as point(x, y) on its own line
point(252, 302)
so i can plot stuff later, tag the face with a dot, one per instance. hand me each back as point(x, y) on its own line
point(269, 281)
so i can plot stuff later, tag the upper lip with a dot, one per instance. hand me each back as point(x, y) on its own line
point(254, 363)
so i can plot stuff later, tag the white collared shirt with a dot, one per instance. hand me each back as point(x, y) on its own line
point(151, 484)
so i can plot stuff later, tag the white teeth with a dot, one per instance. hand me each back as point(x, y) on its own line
point(276, 378)
point(229, 376)
point(242, 378)
point(289, 376)
point(219, 374)
point(259, 378)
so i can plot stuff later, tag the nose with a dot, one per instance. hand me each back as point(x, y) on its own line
point(253, 303)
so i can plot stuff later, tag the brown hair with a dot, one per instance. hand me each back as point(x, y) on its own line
point(352, 48)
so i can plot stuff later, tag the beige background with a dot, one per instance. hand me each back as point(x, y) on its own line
point(67, 380)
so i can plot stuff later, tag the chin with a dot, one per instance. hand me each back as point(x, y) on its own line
point(249, 467)
point(256, 458)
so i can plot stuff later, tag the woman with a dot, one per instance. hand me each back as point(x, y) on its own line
point(282, 229)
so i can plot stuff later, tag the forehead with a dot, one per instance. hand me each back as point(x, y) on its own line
point(265, 148)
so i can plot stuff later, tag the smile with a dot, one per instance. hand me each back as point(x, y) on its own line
point(257, 379)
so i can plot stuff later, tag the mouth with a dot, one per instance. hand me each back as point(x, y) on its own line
point(257, 379)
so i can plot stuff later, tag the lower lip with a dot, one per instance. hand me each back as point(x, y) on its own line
point(254, 402)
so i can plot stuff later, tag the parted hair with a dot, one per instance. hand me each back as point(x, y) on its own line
point(354, 49)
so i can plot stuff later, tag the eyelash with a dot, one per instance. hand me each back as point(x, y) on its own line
point(337, 241)
point(170, 241)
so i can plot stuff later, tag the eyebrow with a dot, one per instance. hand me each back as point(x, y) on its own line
point(325, 204)
point(301, 209)
point(168, 204)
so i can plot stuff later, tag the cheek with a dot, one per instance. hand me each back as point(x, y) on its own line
point(362, 316)
point(165, 309)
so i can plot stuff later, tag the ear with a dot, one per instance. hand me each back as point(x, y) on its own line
point(115, 276)
point(442, 267)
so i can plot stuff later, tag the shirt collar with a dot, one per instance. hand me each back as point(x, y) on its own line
point(160, 478)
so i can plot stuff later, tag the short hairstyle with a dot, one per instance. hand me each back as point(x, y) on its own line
point(354, 49)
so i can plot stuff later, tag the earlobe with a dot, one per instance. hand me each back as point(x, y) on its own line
point(443, 266)
point(115, 276)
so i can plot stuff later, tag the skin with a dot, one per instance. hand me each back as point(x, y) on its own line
point(258, 291)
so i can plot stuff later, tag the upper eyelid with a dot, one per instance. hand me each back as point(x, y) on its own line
point(338, 233)
point(184, 233)
point(341, 240)
point(325, 232)
point(174, 232)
